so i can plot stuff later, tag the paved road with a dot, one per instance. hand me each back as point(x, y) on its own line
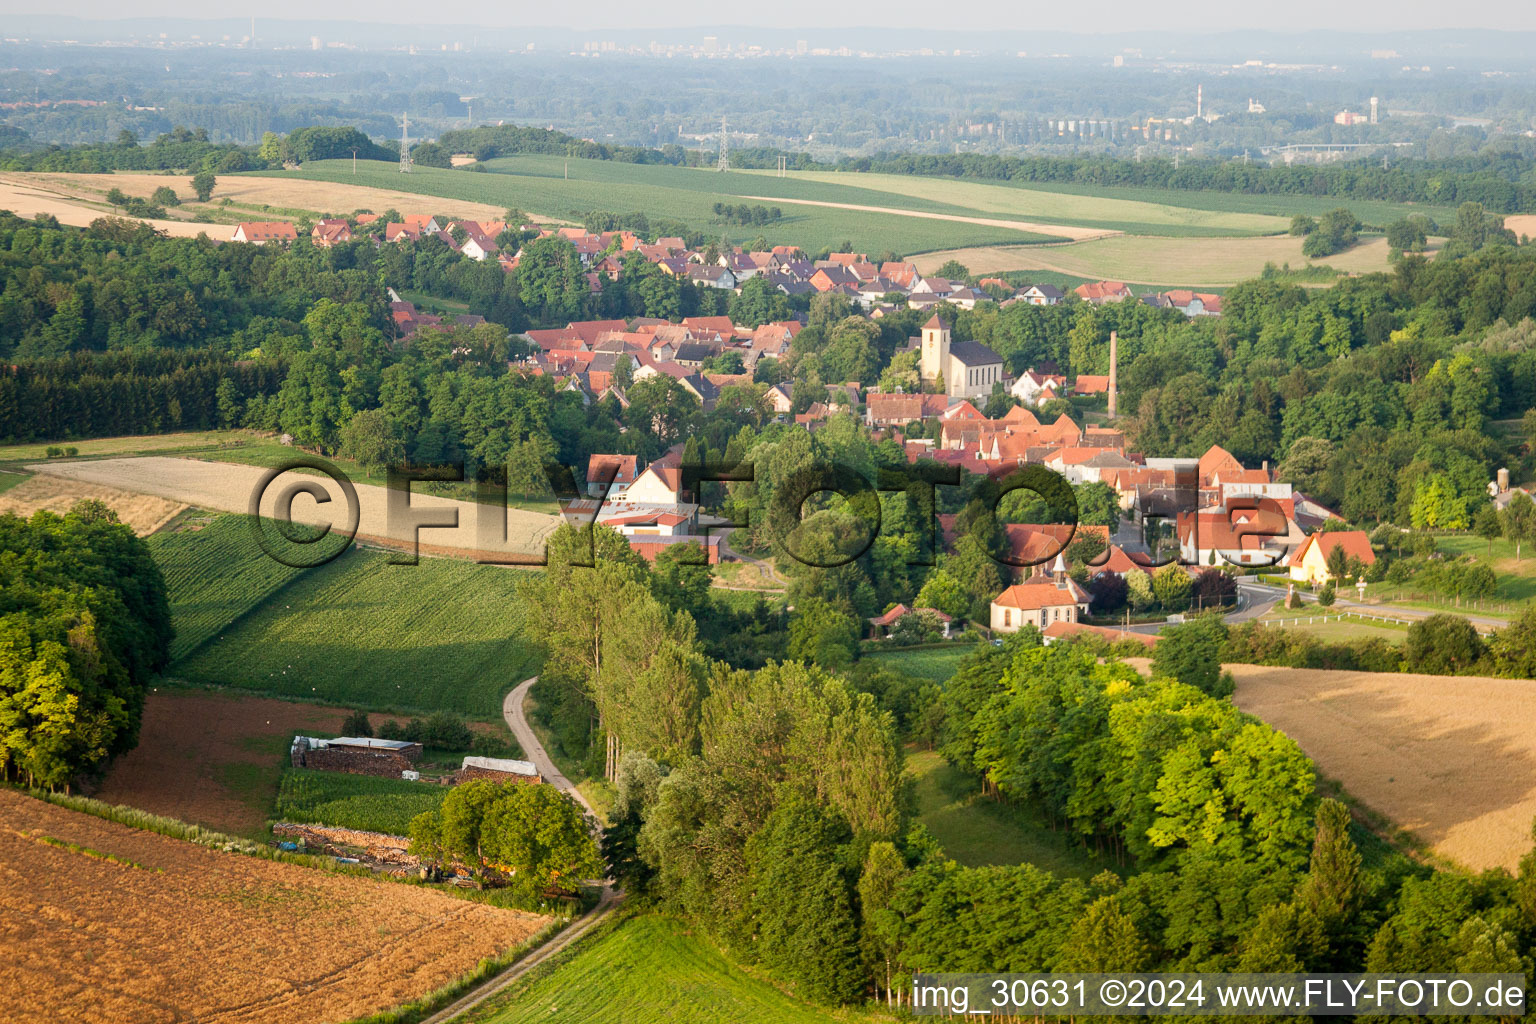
point(533, 750)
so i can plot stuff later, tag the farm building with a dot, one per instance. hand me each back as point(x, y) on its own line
point(497, 769)
point(358, 755)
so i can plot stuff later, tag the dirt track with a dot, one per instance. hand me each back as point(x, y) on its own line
point(1450, 758)
point(1061, 230)
point(228, 487)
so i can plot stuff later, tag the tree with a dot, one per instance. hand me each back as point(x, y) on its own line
point(1191, 653)
point(165, 196)
point(1327, 595)
point(1486, 524)
point(372, 441)
point(1104, 939)
point(357, 724)
point(1302, 225)
point(954, 270)
point(542, 836)
point(821, 635)
point(1519, 521)
point(942, 591)
point(1172, 586)
point(1442, 645)
point(203, 183)
point(1332, 890)
point(1138, 587)
point(1336, 562)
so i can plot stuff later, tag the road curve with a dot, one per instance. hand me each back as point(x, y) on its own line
point(533, 750)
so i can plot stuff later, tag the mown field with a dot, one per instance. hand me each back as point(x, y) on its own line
point(440, 635)
point(365, 802)
point(649, 970)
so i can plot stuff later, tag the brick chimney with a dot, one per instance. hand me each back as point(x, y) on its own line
point(1114, 359)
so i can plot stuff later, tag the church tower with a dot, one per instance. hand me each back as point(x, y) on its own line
point(935, 353)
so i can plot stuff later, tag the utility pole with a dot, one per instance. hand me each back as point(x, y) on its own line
point(725, 149)
point(405, 143)
point(354, 159)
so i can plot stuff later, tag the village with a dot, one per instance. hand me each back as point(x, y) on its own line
point(1199, 514)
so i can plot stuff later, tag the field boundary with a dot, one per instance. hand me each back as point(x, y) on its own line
point(1062, 233)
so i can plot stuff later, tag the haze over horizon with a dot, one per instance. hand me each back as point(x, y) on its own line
point(1110, 16)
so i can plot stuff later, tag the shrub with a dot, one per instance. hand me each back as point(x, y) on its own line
point(1442, 645)
point(1326, 595)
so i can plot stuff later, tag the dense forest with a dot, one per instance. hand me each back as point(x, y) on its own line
point(767, 808)
point(84, 626)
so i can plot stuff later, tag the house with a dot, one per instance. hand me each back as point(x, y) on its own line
point(1257, 535)
point(692, 354)
point(880, 625)
point(260, 232)
point(1091, 384)
point(620, 469)
point(1309, 563)
point(781, 397)
point(1100, 292)
point(896, 410)
point(331, 231)
point(1062, 630)
point(1034, 388)
point(658, 485)
point(1040, 294)
point(1190, 303)
point(1039, 601)
point(709, 276)
point(969, 369)
point(478, 246)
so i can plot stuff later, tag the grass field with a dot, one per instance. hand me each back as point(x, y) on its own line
point(977, 831)
point(182, 932)
point(535, 184)
point(649, 969)
point(440, 635)
point(365, 802)
point(1347, 628)
point(1450, 759)
point(935, 663)
point(9, 480)
point(142, 444)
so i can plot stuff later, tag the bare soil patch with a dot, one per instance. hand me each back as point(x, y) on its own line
point(47, 491)
point(176, 932)
point(1451, 759)
point(215, 759)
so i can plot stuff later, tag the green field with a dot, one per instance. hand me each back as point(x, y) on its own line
point(976, 831)
point(214, 576)
point(535, 184)
point(649, 970)
point(1178, 214)
point(149, 444)
point(9, 480)
point(441, 635)
point(935, 663)
point(365, 802)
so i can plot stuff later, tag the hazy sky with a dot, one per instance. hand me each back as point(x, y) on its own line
point(975, 15)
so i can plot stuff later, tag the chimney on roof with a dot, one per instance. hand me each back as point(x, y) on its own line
point(1114, 359)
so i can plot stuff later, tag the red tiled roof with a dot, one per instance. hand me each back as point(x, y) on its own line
point(1041, 592)
point(1356, 544)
